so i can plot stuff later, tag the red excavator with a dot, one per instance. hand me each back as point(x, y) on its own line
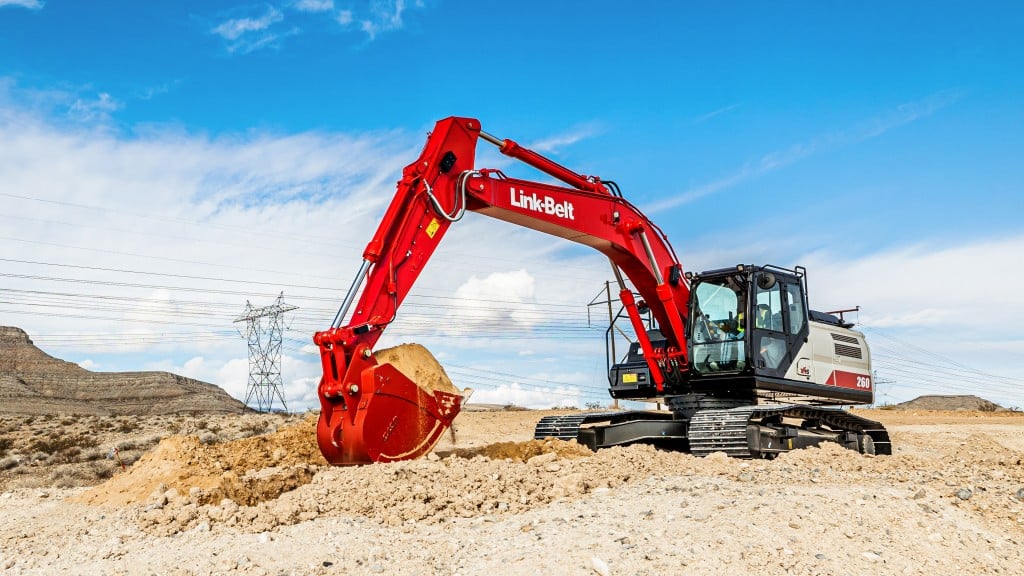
point(744, 365)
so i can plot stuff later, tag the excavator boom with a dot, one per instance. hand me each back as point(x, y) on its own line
point(372, 412)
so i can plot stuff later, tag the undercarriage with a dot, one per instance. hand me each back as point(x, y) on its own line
point(740, 431)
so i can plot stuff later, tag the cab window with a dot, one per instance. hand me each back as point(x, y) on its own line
point(768, 304)
point(794, 297)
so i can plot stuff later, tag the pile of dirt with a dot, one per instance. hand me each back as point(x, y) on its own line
point(418, 365)
point(248, 471)
point(938, 402)
point(33, 382)
point(427, 491)
point(523, 451)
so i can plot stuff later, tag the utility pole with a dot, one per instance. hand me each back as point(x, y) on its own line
point(264, 329)
point(611, 324)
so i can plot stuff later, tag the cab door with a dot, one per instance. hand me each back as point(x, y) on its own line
point(779, 320)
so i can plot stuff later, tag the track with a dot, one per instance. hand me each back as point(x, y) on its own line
point(734, 431)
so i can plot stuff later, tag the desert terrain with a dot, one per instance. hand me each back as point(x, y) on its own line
point(249, 494)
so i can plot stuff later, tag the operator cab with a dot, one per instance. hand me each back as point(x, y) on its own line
point(746, 321)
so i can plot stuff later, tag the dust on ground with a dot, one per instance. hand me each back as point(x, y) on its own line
point(950, 498)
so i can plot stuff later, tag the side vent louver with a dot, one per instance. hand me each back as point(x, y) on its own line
point(845, 349)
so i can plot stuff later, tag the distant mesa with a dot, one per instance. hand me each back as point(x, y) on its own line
point(33, 382)
point(937, 402)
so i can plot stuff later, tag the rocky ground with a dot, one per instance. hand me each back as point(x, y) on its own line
point(248, 494)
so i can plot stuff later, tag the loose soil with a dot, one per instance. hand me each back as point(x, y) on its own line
point(418, 365)
point(949, 500)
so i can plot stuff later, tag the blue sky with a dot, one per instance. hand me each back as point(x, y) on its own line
point(235, 143)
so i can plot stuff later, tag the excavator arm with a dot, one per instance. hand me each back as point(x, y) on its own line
point(372, 412)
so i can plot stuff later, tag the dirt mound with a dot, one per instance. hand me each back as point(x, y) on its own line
point(523, 451)
point(937, 402)
point(428, 491)
point(418, 365)
point(210, 472)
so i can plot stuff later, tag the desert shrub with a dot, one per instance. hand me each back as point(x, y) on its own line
point(512, 408)
point(93, 454)
point(208, 438)
point(55, 443)
point(5, 444)
point(102, 470)
point(125, 445)
point(9, 463)
point(126, 426)
point(253, 428)
point(70, 477)
point(129, 458)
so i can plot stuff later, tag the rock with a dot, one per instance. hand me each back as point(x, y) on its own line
point(542, 459)
point(964, 493)
point(376, 569)
point(919, 494)
point(871, 556)
point(600, 566)
point(1020, 494)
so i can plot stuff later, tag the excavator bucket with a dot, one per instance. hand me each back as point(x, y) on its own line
point(387, 416)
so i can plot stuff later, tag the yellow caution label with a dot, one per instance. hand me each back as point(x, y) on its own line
point(432, 227)
point(629, 378)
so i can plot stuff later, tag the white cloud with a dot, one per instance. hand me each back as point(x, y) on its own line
point(565, 139)
point(499, 301)
point(314, 5)
point(234, 29)
point(937, 318)
point(902, 115)
point(385, 16)
point(705, 117)
point(248, 34)
point(344, 17)
point(538, 398)
point(89, 365)
point(30, 4)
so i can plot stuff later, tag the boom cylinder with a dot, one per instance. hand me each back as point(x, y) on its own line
point(511, 148)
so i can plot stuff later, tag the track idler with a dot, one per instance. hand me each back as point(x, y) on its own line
point(374, 413)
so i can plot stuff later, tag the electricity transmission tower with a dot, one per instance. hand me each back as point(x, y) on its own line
point(263, 329)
